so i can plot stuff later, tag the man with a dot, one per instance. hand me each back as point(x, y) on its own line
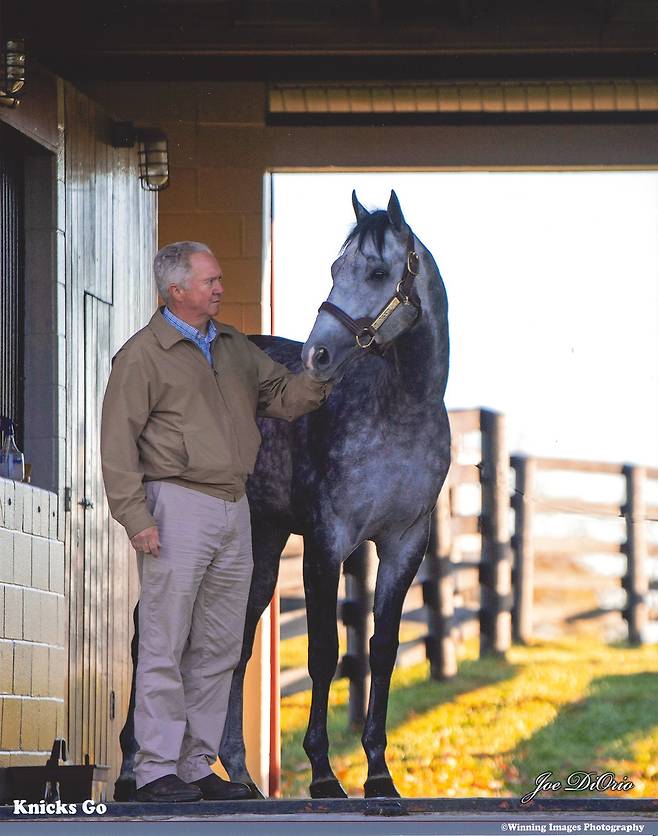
point(178, 440)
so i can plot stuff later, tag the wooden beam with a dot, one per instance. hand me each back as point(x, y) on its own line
point(376, 11)
point(371, 809)
point(607, 10)
point(465, 11)
point(237, 11)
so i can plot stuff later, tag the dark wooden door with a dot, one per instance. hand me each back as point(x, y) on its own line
point(11, 278)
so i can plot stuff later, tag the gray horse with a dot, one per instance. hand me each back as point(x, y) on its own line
point(368, 465)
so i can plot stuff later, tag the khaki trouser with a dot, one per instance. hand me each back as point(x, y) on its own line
point(191, 618)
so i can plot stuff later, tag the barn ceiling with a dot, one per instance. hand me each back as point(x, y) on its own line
point(288, 40)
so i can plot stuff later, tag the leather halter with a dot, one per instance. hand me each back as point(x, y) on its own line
point(366, 331)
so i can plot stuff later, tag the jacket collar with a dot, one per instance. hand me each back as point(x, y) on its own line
point(167, 335)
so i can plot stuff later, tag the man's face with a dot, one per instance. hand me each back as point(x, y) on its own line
point(201, 296)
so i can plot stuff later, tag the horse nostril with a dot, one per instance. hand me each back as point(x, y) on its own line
point(321, 356)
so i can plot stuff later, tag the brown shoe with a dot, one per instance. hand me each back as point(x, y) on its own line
point(215, 788)
point(167, 789)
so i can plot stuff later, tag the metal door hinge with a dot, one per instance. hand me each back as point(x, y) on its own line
point(67, 499)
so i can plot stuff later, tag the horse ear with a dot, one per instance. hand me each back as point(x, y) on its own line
point(360, 211)
point(395, 215)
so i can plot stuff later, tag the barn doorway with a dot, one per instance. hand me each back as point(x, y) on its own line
point(552, 280)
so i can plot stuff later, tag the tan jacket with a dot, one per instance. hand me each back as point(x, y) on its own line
point(168, 415)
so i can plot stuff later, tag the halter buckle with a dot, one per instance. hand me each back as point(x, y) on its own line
point(400, 295)
point(413, 262)
point(365, 333)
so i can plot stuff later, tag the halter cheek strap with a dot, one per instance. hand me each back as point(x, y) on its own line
point(366, 331)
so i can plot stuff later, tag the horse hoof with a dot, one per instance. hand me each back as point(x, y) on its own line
point(328, 788)
point(125, 788)
point(380, 788)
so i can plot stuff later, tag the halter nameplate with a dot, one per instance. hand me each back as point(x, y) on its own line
point(384, 315)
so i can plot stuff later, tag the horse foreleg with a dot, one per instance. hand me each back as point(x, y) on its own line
point(267, 544)
point(125, 788)
point(321, 590)
point(399, 558)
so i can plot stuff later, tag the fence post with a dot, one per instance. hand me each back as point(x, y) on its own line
point(636, 580)
point(495, 565)
point(357, 616)
point(438, 592)
point(523, 547)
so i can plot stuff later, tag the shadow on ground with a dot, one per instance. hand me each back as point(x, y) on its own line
point(406, 701)
point(617, 711)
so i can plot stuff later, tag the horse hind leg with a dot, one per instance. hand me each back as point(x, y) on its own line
point(321, 577)
point(267, 545)
point(399, 562)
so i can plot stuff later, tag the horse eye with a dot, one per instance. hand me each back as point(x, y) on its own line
point(378, 274)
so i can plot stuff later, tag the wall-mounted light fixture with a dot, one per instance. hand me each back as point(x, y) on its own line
point(12, 73)
point(153, 159)
point(152, 150)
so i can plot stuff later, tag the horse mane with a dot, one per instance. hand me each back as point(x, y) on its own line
point(374, 225)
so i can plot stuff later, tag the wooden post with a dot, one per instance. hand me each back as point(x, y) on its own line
point(357, 616)
point(438, 592)
point(275, 695)
point(523, 547)
point(636, 580)
point(496, 564)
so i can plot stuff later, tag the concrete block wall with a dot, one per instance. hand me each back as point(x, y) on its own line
point(216, 194)
point(218, 152)
point(33, 638)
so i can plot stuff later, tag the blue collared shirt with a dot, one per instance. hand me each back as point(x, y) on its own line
point(203, 341)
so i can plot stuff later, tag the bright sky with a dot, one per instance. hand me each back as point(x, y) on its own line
point(552, 281)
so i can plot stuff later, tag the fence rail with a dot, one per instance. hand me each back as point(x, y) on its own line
point(633, 509)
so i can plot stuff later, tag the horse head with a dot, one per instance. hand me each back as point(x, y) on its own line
point(373, 300)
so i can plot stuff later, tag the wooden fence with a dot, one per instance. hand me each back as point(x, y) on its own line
point(478, 547)
point(639, 607)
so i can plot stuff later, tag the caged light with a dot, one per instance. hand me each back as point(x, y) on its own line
point(153, 155)
point(13, 73)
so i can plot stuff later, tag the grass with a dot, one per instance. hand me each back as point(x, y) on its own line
point(559, 706)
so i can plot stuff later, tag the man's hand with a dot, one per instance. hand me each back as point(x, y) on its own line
point(147, 541)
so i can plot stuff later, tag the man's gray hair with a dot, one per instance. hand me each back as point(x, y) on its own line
point(172, 264)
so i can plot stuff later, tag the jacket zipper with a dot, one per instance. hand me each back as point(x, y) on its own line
point(236, 443)
point(215, 374)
